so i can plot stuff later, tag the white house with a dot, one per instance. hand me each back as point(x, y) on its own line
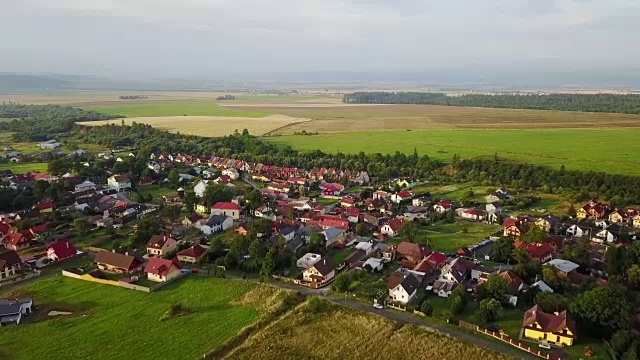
point(12, 311)
point(542, 286)
point(374, 263)
point(578, 231)
point(161, 270)
point(604, 236)
point(401, 196)
point(200, 188)
point(367, 246)
point(216, 223)
point(402, 289)
point(119, 182)
point(443, 288)
point(392, 227)
point(226, 209)
point(231, 173)
point(86, 185)
point(321, 272)
point(307, 260)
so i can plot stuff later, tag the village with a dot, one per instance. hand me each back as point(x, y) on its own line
point(384, 242)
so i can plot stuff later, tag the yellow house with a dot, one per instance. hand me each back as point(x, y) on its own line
point(616, 217)
point(555, 329)
point(202, 209)
point(636, 221)
point(582, 213)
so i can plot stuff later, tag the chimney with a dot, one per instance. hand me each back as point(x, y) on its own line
point(126, 253)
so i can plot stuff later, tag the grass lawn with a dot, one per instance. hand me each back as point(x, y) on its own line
point(181, 108)
point(116, 323)
point(338, 256)
point(448, 238)
point(21, 168)
point(326, 201)
point(157, 191)
point(546, 147)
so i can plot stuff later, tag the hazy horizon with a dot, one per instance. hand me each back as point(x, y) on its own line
point(508, 42)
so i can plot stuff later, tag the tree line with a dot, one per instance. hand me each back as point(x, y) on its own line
point(612, 103)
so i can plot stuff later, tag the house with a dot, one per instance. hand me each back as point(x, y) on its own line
point(191, 220)
point(216, 223)
point(549, 223)
point(636, 221)
point(401, 196)
point(513, 228)
point(392, 227)
point(542, 286)
point(330, 191)
point(44, 206)
point(334, 235)
point(355, 257)
point(604, 236)
point(413, 253)
point(436, 259)
point(514, 286)
point(308, 260)
point(10, 263)
point(16, 241)
point(493, 208)
point(374, 263)
point(405, 183)
point(622, 216)
point(226, 209)
point(443, 288)
point(191, 255)
point(231, 173)
point(320, 272)
point(145, 181)
point(162, 270)
point(200, 188)
point(202, 209)
point(443, 206)
point(568, 270)
point(386, 252)
point(117, 263)
point(119, 182)
point(377, 204)
point(242, 229)
point(539, 253)
point(555, 329)
point(421, 201)
point(578, 230)
point(353, 215)
point(60, 250)
point(498, 195)
point(86, 185)
point(591, 210)
point(12, 311)
point(160, 245)
point(472, 214)
point(402, 289)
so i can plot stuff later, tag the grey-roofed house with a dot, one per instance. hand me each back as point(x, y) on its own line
point(12, 311)
point(333, 235)
point(216, 223)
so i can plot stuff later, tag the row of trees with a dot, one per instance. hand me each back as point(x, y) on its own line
point(629, 104)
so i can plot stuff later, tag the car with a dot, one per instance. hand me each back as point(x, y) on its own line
point(378, 306)
point(544, 345)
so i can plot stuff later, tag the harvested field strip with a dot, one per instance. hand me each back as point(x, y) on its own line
point(172, 108)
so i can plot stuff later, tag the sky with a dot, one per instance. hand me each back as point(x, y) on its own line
point(209, 38)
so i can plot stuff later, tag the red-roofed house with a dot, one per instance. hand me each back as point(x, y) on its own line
point(593, 209)
point(192, 254)
point(392, 227)
point(5, 229)
point(443, 206)
point(331, 191)
point(556, 329)
point(401, 196)
point(513, 228)
point(353, 215)
point(326, 223)
point(119, 182)
point(44, 206)
point(226, 209)
point(437, 259)
point(539, 253)
point(162, 270)
point(60, 250)
point(472, 214)
point(16, 241)
point(160, 245)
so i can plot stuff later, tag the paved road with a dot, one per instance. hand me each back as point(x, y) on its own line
point(409, 319)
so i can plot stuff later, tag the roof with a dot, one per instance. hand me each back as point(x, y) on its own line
point(548, 322)
point(409, 283)
point(332, 232)
point(62, 248)
point(412, 250)
point(4, 228)
point(424, 267)
point(538, 251)
point(9, 258)
point(216, 220)
point(115, 259)
point(437, 258)
point(324, 266)
point(395, 224)
point(513, 281)
point(542, 286)
point(12, 307)
point(404, 194)
point(15, 238)
point(159, 241)
point(120, 178)
point(195, 251)
point(565, 266)
point(222, 205)
point(161, 267)
point(43, 205)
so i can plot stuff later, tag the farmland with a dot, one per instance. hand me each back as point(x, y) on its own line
point(22, 168)
point(177, 108)
point(340, 333)
point(589, 150)
point(109, 322)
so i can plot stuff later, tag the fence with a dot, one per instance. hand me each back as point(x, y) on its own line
point(87, 277)
point(509, 340)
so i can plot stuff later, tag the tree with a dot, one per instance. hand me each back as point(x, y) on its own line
point(426, 307)
point(317, 240)
point(551, 302)
point(269, 263)
point(409, 231)
point(256, 251)
point(615, 260)
point(361, 230)
point(341, 282)
point(606, 309)
point(458, 300)
point(81, 226)
point(633, 275)
point(620, 341)
point(253, 199)
point(502, 249)
point(489, 310)
point(494, 288)
point(534, 235)
point(261, 226)
point(579, 252)
point(174, 178)
point(190, 200)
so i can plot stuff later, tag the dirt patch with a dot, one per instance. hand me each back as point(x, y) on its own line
point(208, 125)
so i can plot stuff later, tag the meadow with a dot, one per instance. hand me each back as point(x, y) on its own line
point(611, 151)
point(116, 323)
point(341, 333)
point(21, 168)
point(146, 108)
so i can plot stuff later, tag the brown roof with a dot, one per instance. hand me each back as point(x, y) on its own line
point(116, 260)
point(324, 266)
point(412, 250)
point(161, 267)
point(195, 251)
point(15, 239)
point(120, 178)
point(158, 241)
point(548, 322)
point(409, 282)
point(9, 258)
point(513, 281)
point(394, 280)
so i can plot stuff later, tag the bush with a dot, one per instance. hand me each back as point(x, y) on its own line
point(426, 307)
point(315, 305)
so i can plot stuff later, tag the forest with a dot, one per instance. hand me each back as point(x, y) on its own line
point(43, 122)
point(611, 103)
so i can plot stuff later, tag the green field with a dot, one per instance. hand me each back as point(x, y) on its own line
point(116, 323)
point(448, 238)
point(22, 168)
point(159, 109)
point(613, 151)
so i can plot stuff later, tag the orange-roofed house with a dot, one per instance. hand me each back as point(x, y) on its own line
point(555, 329)
point(192, 254)
point(226, 209)
point(513, 228)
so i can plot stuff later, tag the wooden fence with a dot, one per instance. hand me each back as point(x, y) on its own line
point(505, 338)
